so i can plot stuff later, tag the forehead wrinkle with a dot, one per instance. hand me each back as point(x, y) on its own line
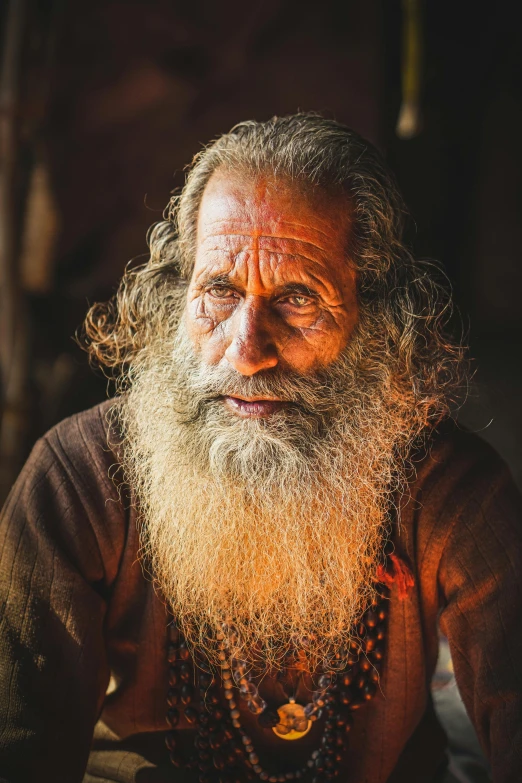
point(264, 256)
point(220, 264)
point(320, 258)
point(261, 241)
point(226, 246)
point(258, 228)
point(295, 273)
point(227, 264)
point(299, 264)
point(275, 220)
point(318, 270)
point(316, 230)
point(265, 240)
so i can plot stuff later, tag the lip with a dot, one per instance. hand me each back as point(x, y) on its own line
point(253, 407)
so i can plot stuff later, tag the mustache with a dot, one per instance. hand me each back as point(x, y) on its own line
point(311, 394)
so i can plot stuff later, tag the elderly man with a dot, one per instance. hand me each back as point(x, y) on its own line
point(236, 570)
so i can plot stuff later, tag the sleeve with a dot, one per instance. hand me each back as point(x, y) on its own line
point(53, 595)
point(480, 579)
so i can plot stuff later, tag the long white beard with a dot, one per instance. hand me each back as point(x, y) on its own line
point(275, 524)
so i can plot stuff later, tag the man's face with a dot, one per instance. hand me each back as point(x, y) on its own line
point(272, 284)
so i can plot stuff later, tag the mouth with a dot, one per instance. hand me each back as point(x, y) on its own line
point(253, 407)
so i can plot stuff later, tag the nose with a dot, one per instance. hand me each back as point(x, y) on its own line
point(252, 347)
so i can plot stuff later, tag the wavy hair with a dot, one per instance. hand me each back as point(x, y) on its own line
point(406, 300)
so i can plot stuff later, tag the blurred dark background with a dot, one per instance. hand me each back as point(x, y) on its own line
point(102, 104)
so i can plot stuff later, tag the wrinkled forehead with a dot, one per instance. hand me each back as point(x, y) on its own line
point(239, 204)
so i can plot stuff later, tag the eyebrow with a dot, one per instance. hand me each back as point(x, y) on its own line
point(222, 279)
point(297, 288)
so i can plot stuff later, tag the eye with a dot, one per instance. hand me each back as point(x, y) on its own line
point(220, 292)
point(300, 300)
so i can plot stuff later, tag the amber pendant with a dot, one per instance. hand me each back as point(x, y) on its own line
point(293, 723)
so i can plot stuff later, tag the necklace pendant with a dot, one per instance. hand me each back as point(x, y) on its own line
point(293, 723)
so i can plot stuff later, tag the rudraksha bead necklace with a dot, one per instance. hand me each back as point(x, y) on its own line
point(224, 752)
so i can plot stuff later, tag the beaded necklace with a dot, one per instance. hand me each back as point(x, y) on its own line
point(224, 752)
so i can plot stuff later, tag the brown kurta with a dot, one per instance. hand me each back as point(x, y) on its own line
point(75, 607)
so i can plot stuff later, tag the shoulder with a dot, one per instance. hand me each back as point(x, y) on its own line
point(66, 494)
point(456, 460)
point(76, 456)
point(462, 489)
point(83, 444)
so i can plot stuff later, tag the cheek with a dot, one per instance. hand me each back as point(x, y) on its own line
point(206, 336)
point(321, 345)
point(311, 351)
point(331, 348)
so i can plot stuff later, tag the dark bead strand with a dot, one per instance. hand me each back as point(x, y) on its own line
point(177, 676)
point(352, 681)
